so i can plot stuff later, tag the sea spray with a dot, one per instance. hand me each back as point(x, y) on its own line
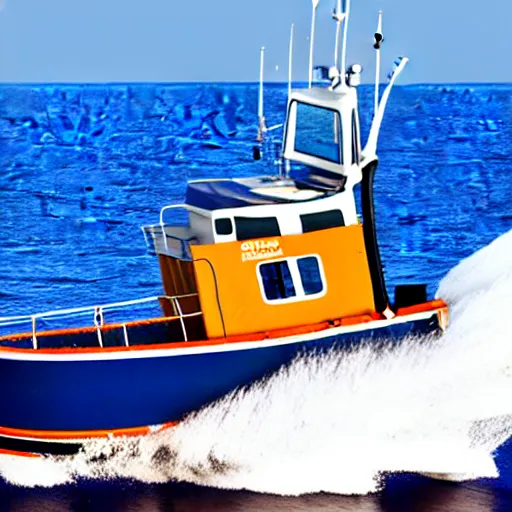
point(336, 422)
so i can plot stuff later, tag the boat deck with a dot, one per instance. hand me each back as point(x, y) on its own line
point(123, 324)
point(181, 325)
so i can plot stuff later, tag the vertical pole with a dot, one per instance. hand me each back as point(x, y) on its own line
point(261, 120)
point(290, 74)
point(98, 322)
point(180, 312)
point(378, 42)
point(290, 63)
point(260, 98)
point(125, 335)
point(338, 17)
point(34, 337)
point(314, 4)
point(343, 69)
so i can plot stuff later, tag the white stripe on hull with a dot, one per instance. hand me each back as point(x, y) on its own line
point(141, 353)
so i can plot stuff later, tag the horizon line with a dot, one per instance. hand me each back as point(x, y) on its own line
point(236, 82)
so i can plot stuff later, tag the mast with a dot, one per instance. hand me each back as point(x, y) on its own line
point(343, 69)
point(379, 39)
point(290, 63)
point(261, 119)
point(339, 16)
point(314, 4)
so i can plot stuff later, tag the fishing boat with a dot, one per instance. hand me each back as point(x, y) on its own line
point(267, 268)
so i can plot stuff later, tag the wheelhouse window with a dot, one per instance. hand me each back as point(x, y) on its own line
point(223, 226)
point(318, 132)
point(322, 220)
point(248, 228)
point(292, 279)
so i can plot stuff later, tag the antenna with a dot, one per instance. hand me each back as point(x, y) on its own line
point(339, 16)
point(314, 4)
point(379, 39)
point(290, 63)
point(343, 69)
point(261, 119)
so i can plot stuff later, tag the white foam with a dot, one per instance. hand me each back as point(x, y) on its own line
point(337, 422)
point(32, 472)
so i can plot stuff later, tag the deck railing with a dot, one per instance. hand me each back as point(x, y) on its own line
point(97, 316)
point(170, 239)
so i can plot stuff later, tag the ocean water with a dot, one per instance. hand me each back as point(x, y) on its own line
point(82, 167)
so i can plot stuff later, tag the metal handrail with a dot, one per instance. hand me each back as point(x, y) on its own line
point(171, 207)
point(156, 227)
point(162, 225)
point(14, 320)
point(159, 230)
point(99, 321)
point(188, 207)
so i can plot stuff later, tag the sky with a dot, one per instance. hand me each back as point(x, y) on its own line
point(171, 40)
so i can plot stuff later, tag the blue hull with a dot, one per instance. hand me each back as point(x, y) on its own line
point(117, 393)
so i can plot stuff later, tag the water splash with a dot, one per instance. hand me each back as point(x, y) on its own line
point(337, 422)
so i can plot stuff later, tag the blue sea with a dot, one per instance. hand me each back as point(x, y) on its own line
point(82, 167)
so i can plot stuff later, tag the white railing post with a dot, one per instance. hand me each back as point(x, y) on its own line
point(125, 334)
point(100, 337)
point(98, 316)
point(98, 322)
point(34, 337)
point(180, 312)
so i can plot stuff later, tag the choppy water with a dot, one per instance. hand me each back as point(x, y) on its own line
point(340, 424)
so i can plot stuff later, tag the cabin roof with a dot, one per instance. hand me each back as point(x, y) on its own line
point(307, 185)
point(321, 96)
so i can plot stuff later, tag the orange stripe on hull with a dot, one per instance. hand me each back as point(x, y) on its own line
point(294, 331)
point(354, 320)
point(20, 454)
point(433, 306)
point(51, 435)
point(422, 308)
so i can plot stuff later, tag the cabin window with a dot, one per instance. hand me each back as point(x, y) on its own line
point(310, 275)
point(248, 228)
point(318, 132)
point(322, 220)
point(292, 279)
point(355, 139)
point(277, 280)
point(223, 226)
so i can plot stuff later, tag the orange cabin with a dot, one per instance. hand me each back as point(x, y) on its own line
point(280, 282)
